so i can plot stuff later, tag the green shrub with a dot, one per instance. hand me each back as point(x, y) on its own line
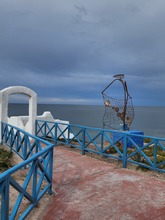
point(147, 140)
point(5, 160)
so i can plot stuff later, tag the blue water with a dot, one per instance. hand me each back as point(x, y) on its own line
point(150, 120)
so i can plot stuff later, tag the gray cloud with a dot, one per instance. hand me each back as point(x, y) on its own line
point(71, 49)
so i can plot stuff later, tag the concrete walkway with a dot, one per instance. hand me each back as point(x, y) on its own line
point(89, 189)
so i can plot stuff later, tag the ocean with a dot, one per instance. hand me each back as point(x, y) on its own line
point(150, 120)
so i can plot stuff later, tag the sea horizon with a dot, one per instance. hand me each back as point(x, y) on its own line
point(149, 119)
point(25, 103)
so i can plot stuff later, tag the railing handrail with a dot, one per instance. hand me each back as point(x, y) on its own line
point(24, 163)
point(39, 159)
point(102, 129)
point(83, 137)
point(28, 134)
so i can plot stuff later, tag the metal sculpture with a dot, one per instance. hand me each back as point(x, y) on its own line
point(119, 113)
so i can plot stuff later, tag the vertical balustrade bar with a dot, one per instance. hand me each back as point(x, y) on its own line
point(17, 140)
point(11, 136)
point(55, 134)
point(34, 184)
point(5, 201)
point(25, 147)
point(37, 148)
point(68, 139)
point(102, 141)
point(155, 153)
point(124, 159)
point(83, 141)
point(45, 124)
point(50, 170)
point(11, 139)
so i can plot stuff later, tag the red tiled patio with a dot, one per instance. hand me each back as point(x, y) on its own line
point(90, 189)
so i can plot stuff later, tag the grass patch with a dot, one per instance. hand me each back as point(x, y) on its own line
point(5, 160)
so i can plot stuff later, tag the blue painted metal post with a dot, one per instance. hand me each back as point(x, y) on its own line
point(11, 139)
point(5, 201)
point(155, 153)
point(55, 134)
point(68, 140)
point(102, 141)
point(11, 136)
point(25, 147)
point(45, 123)
point(37, 147)
point(83, 141)
point(34, 183)
point(50, 171)
point(124, 159)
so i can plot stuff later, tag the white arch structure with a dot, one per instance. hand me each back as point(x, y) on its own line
point(4, 99)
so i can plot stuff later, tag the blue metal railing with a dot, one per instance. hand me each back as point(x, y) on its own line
point(37, 160)
point(108, 143)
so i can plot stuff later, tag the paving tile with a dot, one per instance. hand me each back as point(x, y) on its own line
point(89, 189)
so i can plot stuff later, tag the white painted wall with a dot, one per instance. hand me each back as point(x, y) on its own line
point(4, 99)
point(26, 123)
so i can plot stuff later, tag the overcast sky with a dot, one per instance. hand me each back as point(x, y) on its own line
point(67, 51)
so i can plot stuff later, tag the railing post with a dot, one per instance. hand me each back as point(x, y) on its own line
point(124, 159)
point(68, 140)
point(36, 126)
point(5, 201)
point(83, 141)
point(102, 141)
point(55, 134)
point(50, 191)
point(155, 154)
point(11, 137)
point(34, 182)
point(25, 147)
point(45, 123)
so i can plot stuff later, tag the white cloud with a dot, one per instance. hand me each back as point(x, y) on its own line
point(56, 100)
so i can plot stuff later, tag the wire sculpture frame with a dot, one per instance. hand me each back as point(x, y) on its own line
point(119, 113)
